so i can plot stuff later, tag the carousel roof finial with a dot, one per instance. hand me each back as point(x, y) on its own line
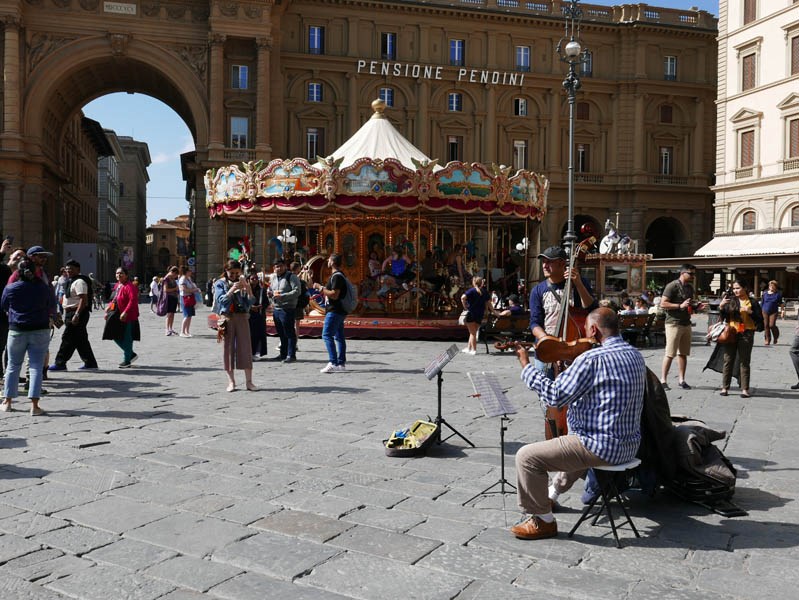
point(379, 106)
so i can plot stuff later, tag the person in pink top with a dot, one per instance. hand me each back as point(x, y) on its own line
point(125, 309)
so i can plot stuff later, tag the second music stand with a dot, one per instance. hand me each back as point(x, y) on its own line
point(495, 404)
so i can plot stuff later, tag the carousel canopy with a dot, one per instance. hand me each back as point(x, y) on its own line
point(377, 138)
point(375, 171)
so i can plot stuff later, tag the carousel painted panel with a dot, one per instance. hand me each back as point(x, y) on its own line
point(294, 177)
point(458, 180)
point(376, 177)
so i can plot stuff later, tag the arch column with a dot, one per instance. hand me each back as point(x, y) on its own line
point(352, 104)
point(263, 136)
point(216, 141)
point(554, 131)
point(11, 80)
point(422, 128)
point(697, 149)
point(490, 131)
point(12, 209)
point(640, 138)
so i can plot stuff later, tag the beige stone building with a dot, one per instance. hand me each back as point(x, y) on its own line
point(756, 230)
point(477, 80)
point(167, 243)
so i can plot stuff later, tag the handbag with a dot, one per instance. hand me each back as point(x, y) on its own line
point(189, 300)
point(462, 318)
point(722, 333)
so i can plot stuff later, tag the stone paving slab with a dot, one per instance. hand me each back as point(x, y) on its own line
point(289, 493)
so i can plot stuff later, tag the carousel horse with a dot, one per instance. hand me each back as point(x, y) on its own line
point(625, 245)
point(610, 242)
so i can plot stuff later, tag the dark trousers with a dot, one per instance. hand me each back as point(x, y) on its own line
point(258, 333)
point(284, 323)
point(3, 340)
point(794, 352)
point(76, 338)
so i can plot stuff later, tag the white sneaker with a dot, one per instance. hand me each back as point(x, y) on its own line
point(473, 352)
point(256, 358)
point(330, 368)
point(466, 351)
point(340, 369)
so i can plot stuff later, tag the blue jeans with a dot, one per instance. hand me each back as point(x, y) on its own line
point(333, 334)
point(284, 324)
point(35, 343)
point(126, 343)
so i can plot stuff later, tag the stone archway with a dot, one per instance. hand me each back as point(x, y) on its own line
point(666, 238)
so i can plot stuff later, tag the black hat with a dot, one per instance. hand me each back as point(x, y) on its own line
point(554, 253)
point(514, 298)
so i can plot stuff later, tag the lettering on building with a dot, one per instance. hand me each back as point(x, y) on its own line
point(417, 71)
point(119, 8)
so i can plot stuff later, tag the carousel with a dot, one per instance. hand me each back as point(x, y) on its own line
point(380, 203)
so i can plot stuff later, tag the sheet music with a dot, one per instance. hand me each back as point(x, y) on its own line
point(440, 361)
point(492, 396)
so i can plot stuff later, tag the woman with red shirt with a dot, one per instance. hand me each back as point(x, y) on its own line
point(125, 310)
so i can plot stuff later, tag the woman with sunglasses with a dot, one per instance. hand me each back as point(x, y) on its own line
point(233, 298)
point(124, 308)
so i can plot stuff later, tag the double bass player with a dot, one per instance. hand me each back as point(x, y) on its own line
point(604, 390)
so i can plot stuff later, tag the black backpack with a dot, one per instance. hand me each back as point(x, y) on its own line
point(303, 300)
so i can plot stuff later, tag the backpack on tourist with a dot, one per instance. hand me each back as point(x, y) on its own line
point(349, 302)
point(163, 301)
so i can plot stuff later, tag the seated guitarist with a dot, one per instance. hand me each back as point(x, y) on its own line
point(546, 296)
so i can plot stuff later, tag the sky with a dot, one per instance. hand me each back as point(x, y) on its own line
point(148, 120)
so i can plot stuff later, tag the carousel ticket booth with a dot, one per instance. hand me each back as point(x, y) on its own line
point(377, 195)
point(612, 274)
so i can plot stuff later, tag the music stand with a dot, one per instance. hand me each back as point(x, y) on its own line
point(434, 370)
point(495, 404)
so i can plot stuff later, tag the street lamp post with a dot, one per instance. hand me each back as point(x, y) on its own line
point(571, 52)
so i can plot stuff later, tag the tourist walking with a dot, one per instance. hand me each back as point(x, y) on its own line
point(258, 317)
point(232, 300)
point(333, 329)
point(744, 314)
point(189, 291)
point(155, 290)
point(678, 302)
point(284, 290)
point(770, 302)
point(474, 305)
point(29, 301)
point(122, 317)
point(77, 304)
point(169, 285)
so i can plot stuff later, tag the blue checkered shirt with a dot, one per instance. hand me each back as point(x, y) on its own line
point(604, 388)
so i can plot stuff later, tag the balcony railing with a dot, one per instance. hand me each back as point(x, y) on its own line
point(744, 173)
point(239, 154)
point(790, 164)
point(670, 180)
point(589, 178)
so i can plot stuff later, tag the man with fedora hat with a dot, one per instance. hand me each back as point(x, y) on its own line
point(545, 298)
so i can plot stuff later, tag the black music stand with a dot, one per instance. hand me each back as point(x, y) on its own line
point(495, 404)
point(434, 370)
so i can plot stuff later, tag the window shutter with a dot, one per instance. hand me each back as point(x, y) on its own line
point(748, 72)
point(747, 148)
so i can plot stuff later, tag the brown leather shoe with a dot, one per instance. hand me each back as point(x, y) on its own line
point(534, 528)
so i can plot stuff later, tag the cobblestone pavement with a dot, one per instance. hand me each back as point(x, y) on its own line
point(154, 482)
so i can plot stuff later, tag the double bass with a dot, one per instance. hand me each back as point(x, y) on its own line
point(568, 343)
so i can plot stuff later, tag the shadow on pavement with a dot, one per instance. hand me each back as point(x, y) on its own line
point(6, 443)
point(118, 414)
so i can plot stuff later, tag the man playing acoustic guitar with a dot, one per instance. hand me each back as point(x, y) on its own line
point(604, 389)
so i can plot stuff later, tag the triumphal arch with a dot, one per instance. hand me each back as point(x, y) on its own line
point(60, 54)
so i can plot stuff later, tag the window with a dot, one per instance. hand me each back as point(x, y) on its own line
point(666, 113)
point(582, 111)
point(316, 39)
point(793, 138)
point(749, 221)
point(520, 107)
point(239, 127)
point(456, 52)
point(750, 11)
point(581, 163)
point(455, 102)
point(386, 94)
point(795, 55)
point(314, 92)
point(523, 58)
point(314, 143)
point(454, 148)
point(388, 46)
point(239, 77)
point(748, 72)
point(519, 154)
point(795, 216)
point(587, 66)
point(670, 68)
point(666, 160)
point(746, 156)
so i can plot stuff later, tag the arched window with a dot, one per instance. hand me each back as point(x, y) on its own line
point(666, 113)
point(749, 221)
point(795, 216)
point(582, 111)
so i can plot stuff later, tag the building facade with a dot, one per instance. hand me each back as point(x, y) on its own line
point(477, 80)
point(757, 163)
point(133, 203)
point(167, 243)
point(108, 211)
